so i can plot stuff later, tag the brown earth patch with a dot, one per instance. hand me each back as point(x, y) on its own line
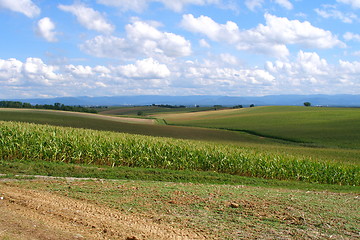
point(35, 214)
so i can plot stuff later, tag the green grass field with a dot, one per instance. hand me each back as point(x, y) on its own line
point(99, 122)
point(149, 110)
point(319, 127)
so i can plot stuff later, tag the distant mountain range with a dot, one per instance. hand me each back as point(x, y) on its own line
point(343, 100)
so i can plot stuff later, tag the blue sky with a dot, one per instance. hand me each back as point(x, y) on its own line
point(178, 47)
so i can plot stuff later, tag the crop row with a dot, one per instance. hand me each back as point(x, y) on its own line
point(24, 141)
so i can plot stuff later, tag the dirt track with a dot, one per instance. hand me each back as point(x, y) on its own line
point(34, 214)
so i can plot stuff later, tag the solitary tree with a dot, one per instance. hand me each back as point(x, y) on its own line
point(307, 104)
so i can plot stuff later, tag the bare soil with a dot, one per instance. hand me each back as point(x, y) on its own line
point(36, 214)
point(44, 207)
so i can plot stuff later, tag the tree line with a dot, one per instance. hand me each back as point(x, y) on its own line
point(56, 106)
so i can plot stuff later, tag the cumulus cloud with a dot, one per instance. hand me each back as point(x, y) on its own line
point(203, 43)
point(306, 73)
point(134, 5)
point(37, 72)
point(354, 3)
point(281, 29)
point(228, 32)
point(88, 17)
point(141, 5)
point(33, 71)
point(212, 76)
point(45, 28)
point(34, 78)
point(253, 4)
point(309, 73)
point(10, 71)
point(79, 70)
point(229, 59)
point(285, 4)
point(144, 69)
point(307, 63)
point(270, 39)
point(350, 67)
point(142, 39)
point(348, 36)
point(26, 7)
point(331, 12)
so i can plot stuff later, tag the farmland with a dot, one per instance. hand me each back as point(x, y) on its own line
point(327, 127)
point(124, 209)
point(150, 110)
point(33, 142)
point(256, 154)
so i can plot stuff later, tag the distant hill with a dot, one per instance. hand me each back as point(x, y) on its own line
point(203, 100)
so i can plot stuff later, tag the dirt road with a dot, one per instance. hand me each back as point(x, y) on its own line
point(35, 214)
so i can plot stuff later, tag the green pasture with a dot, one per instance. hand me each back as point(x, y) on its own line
point(149, 110)
point(96, 122)
point(318, 127)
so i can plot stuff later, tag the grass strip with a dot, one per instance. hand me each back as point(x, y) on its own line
point(16, 168)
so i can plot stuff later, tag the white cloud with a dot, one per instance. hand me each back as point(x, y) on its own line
point(311, 63)
point(229, 59)
point(348, 36)
point(210, 77)
point(356, 53)
point(285, 4)
point(174, 5)
point(287, 31)
point(31, 72)
point(306, 73)
point(203, 43)
point(26, 7)
point(228, 32)
point(142, 39)
point(88, 17)
point(102, 70)
point(253, 4)
point(330, 12)
point(178, 5)
point(306, 64)
point(270, 39)
point(125, 5)
point(145, 69)
point(37, 72)
point(309, 74)
point(45, 28)
point(10, 71)
point(350, 67)
point(354, 3)
point(79, 70)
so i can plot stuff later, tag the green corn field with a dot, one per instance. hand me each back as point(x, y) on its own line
point(25, 141)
